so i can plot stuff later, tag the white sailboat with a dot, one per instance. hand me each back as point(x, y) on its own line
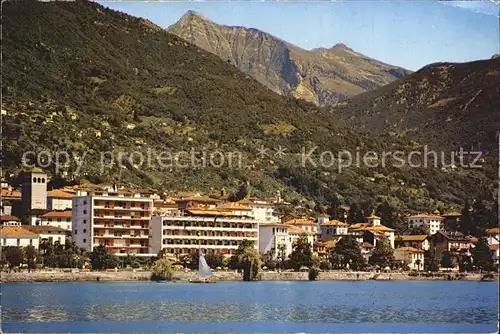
point(204, 271)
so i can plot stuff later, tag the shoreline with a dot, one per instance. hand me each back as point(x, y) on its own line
point(180, 276)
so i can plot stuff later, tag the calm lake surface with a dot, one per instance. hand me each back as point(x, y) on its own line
point(365, 306)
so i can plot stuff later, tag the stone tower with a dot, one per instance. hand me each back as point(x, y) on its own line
point(34, 190)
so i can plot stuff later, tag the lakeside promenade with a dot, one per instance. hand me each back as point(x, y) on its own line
point(124, 276)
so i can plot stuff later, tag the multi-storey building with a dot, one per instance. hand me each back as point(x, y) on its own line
point(13, 234)
point(414, 241)
point(119, 221)
point(366, 232)
point(413, 257)
point(433, 222)
point(451, 241)
point(304, 224)
point(333, 228)
point(274, 238)
point(213, 230)
point(60, 219)
point(49, 233)
point(59, 200)
point(261, 209)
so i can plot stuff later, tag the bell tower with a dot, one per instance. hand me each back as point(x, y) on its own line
point(34, 190)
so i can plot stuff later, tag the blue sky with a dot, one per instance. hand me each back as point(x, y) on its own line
point(404, 33)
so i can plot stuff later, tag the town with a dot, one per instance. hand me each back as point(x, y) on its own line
point(72, 226)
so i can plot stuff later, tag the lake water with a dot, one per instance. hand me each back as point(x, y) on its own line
point(321, 306)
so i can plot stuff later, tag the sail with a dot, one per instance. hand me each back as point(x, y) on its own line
point(203, 268)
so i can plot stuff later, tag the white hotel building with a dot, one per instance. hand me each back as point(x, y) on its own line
point(118, 220)
point(217, 230)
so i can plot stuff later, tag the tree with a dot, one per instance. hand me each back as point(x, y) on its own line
point(465, 223)
point(347, 251)
point(418, 262)
point(301, 254)
point(30, 254)
point(13, 255)
point(482, 218)
point(248, 259)
point(162, 270)
point(482, 256)
point(420, 230)
point(100, 259)
point(242, 192)
point(385, 212)
point(431, 260)
point(355, 215)
point(383, 254)
point(446, 260)
point(214, 260)
point(281, 256)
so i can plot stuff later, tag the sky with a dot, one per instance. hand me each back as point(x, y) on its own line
point(408, 34)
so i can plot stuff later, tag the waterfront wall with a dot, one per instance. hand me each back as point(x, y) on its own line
point(124, 276)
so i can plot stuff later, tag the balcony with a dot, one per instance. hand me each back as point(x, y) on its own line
point(194, 237)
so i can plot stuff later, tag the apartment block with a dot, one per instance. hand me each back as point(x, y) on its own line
point(118, 221)
point(214, 230)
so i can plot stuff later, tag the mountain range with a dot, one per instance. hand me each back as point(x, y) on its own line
point(83, 79)
point(447, 105)
point(322, 76)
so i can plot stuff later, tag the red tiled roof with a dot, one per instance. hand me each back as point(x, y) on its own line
point(420, 237)
point(494, 247)
point(301, 221)
point(8, 218)
point(409, 249)
point(16, 231)
point(58, 214)
point(44, 228)
point(495, 230)
point(10, 193)
point(334, 223)
point(60, 194)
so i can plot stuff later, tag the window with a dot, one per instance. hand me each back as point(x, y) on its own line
point(34, 180)
point(43, 180)
point(84, 230)
point(84, 212)
point(84, 240)
point(85, 221)
point(39, 180)
point(84, 202)
point(76, 231)
point(18, 242)
point(31, 242)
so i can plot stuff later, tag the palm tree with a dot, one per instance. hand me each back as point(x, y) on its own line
point(250, 261)
point(418, 262)
point(282, 256)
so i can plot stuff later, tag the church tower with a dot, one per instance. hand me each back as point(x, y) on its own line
point(34, 190)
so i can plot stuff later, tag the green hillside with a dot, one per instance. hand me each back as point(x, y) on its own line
point(78, 77)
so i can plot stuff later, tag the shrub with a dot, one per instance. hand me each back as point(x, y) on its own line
point(162, 270)
point(313, 274)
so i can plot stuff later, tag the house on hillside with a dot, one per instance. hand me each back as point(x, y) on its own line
point(412, 256)
point(415, 241)
point(433, 222)
point(366, 232)
point(333, 228)
point(48, 233)
point(493, 242)
point(13, 234)
point(59, 200)
point(59, 219)
point(453, 241)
